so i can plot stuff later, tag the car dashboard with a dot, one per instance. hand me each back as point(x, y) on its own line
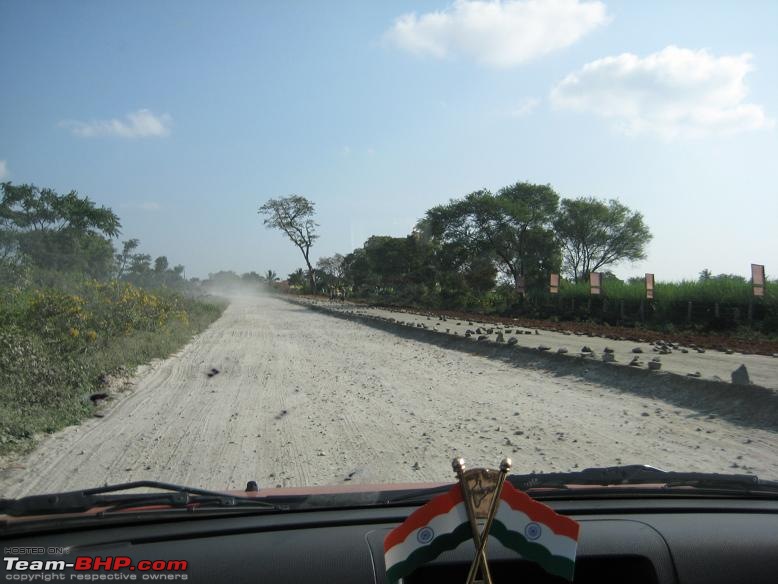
point(637, 539)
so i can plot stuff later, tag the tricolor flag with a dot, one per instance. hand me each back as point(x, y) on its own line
point(440, 525)
point(533, 530)
point(536, 532)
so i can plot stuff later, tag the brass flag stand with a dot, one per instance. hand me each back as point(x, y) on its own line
point(481, 489)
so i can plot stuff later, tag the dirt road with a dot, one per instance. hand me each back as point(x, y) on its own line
point(303, 398)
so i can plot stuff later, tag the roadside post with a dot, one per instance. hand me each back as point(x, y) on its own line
point(758, 285)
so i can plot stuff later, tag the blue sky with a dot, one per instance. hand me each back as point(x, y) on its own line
point(185, 116)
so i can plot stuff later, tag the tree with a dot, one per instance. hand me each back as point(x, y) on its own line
point(294, 216)
point(296, 278)
point(705, 275)
point(252, 278)
point(332, 267)
point(124, 258)
point(160, 265)
point(512, 227)
point(57, 232)
point(140, 264)
point(271, 276)
point(595, 234)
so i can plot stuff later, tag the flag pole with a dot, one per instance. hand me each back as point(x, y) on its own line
point(505, 466)
point(459, 469)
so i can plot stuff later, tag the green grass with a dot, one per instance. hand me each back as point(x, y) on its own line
point(47, 374)
point(670, 305)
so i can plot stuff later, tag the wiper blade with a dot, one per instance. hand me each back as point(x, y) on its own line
point(642, 475)
point(176, 496)
point(628, 475)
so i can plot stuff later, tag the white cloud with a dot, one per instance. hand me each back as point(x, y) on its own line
point(140, 124)
point(3, 169)
point(524, 107)
point(498, 33)
point(674, 93)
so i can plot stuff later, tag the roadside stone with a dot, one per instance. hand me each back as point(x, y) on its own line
point(500, 338)
point(586, 349)
point(562, 350)
point(654, 365)
point(637, 350)
point(684, 351)
point(694, 374)
point(544, 348)
point(608, 358)
point(700, 350)
point(482, 338)
point(740, 376)
point(527, 332)
point(513, 341)
point(607, 350)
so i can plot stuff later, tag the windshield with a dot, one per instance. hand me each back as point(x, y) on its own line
point(340, 244)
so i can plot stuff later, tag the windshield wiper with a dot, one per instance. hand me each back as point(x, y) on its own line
point(637, 474)
point(629, 475)
point(173, 496)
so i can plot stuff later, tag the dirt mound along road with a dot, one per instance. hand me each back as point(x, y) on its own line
point(712, 365)
point(302, 398)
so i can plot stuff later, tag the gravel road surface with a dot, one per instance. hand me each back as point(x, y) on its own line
point(302, 398)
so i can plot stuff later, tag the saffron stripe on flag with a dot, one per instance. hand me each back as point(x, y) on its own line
point(539, 512)
point(427, 553)
point(423, 515)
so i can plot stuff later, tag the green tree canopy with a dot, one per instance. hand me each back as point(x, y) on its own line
point(296, 278)
point(512, 227)
point(595, 234)
point(57, 232)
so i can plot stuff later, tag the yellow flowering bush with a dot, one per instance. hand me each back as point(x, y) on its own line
point(101, 310)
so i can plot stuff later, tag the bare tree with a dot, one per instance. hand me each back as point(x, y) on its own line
point(294, 216)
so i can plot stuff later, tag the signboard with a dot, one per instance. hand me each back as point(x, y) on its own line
point(650, 286)
point(554, 284)
point(595, 282)
point(757, 279)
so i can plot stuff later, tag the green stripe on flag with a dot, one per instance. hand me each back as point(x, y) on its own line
point(422, 555)
point(534, 552)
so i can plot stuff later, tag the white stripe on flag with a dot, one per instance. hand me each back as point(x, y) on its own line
point(440, 525)
point(558, 545)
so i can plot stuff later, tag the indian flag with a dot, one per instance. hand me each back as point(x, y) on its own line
point(536, 532)
point(438, 526)
point(533, 530)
